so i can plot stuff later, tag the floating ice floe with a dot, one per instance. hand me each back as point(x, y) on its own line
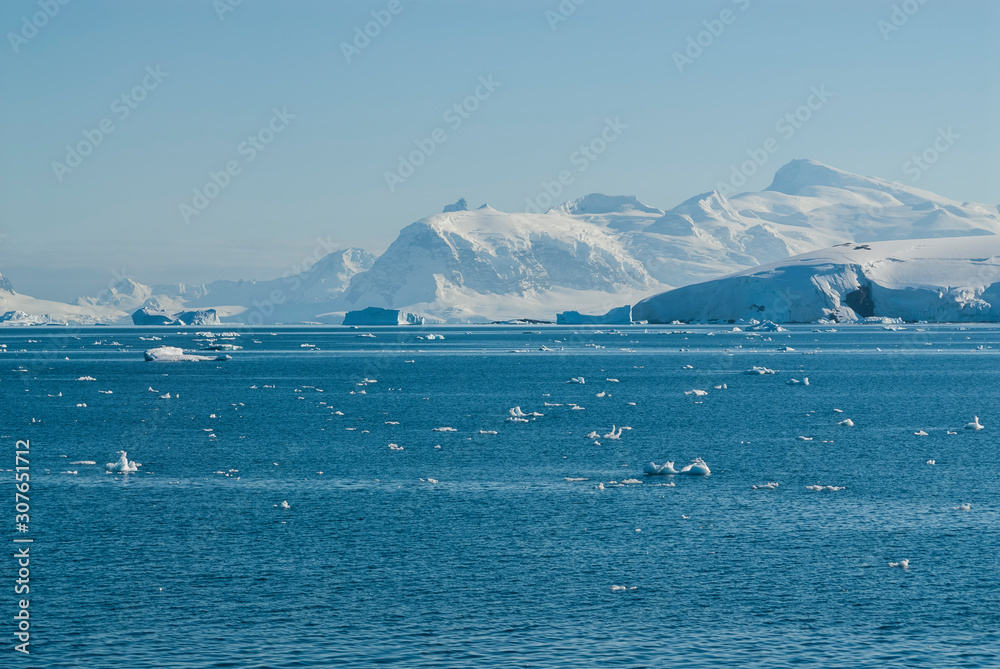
point(696, 392)
point(84, 462)
point(82, 405)
point(611, 380)
point(804, 438)
point(86, 378)
point(487, 432)
point(698, 467)
point(105, 392)
point(722, 387)
point(963, 507)
point(395, 447)
point(902, 564)
point(838, 411)
point(847, 422)
point(796, 382)
point(174, 354)
point(631, 482)
point(828, 488)
point(932, 462)
point(444, 429)
point(123, 466)
point(974, 425)
point(593, 435)
point(771, 485)
point(654, 469)
point(759, 370)
point(577, 379)
point(765, 326)
point(285, 505)
point(518, 416)
point(599, 486)
point(165, 396)
point(920, 433)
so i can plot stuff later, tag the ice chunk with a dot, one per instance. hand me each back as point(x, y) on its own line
point(123, 466)
point(847, 422)
point(654, 469)
point(174, 354)
point(698, 467)
point(974, 425)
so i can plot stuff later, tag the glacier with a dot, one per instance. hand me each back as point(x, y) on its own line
point(954, 279)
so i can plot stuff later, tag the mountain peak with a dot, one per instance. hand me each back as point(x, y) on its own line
point(796, 175)
point(599, 203)
point(461, 205)
point(5, 284)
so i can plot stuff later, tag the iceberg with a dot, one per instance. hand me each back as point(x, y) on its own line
point(153, 316)
point(123, 466)
point(174, 354)
point(616, 316)
point(380, 316)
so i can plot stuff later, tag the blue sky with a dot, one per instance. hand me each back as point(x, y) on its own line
point(553, 87)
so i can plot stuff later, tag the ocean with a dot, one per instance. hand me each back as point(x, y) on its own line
point(500, 543)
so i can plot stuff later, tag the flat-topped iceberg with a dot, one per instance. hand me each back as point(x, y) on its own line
point(616, 316)
point(379, 316)
point(175, 354)
point(153, 316)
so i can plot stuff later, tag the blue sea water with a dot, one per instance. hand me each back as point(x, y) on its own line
point(503, 562)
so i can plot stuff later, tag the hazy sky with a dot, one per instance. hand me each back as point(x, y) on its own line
point(309, 128)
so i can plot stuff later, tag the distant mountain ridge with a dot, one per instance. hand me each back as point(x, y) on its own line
point(590, 254)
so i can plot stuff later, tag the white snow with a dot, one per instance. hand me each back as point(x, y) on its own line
point(939, 280)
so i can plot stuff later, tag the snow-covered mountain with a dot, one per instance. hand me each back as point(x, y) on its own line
point(945, 279)
point(17, 309)
point(324, 280)
point(591, 254)
point(463, 262)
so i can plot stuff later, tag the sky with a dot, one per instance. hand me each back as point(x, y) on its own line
point(194, 140)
